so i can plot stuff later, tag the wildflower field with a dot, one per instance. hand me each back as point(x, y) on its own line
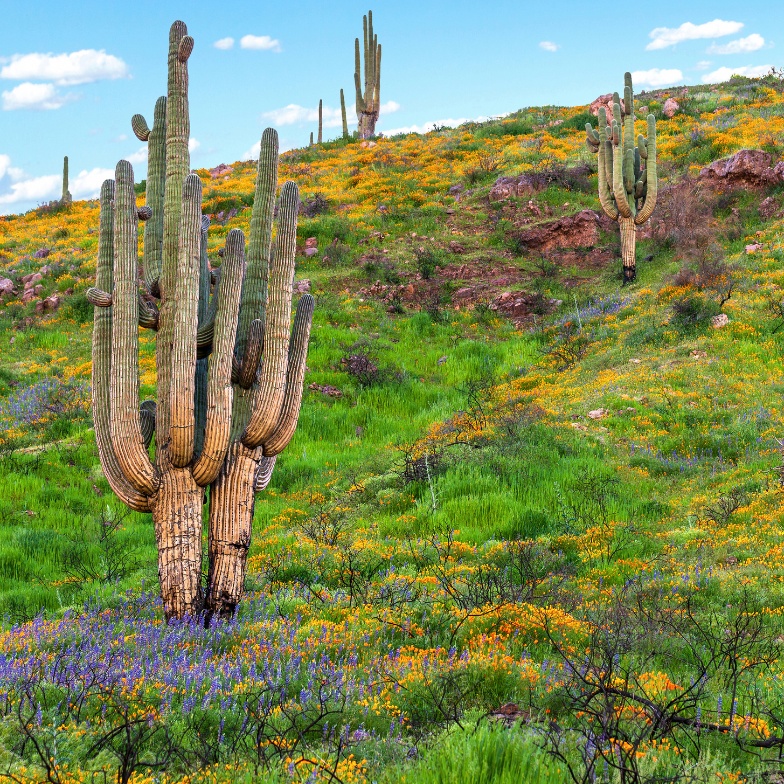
point(542, 547)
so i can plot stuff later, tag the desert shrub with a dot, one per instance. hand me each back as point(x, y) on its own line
point(683, 220)
point(427, 260)
point(315, 205)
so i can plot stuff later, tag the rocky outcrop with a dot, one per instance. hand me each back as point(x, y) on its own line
point(750, 169)
point(606, 101)
point(574, 231)
point(671, 107)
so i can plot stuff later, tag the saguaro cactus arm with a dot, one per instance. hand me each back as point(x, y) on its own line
point(186, 320)
point(154, 193)
point(102, 359)
point(268, 399)
point(126, 432)
point(220, 394)
point(263, 473)
point(321, 118)
point(254, 288)
point(295, 375)
point(651, 184)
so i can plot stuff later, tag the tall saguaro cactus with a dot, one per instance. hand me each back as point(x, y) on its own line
point(368, 88)
point(321, 121)
point(343, 114)
point(212, 382)
point(628, 182)
point(66, 198)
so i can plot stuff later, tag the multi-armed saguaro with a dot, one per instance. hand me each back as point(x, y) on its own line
point(66, 197)
point(368, 101)
point(628, 182)
point(222, 414)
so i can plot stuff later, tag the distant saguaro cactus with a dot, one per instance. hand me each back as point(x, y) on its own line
point(343, 114)
point(368, 89)
point(628, 182)
point(212, 384)
point(321, 119)
point(66, 198)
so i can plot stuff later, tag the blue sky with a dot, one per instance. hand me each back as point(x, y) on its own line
point(73, 74)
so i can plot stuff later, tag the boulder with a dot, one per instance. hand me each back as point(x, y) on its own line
point(598, 413)
point(220, 169)
point(573, 231)
point(42, 253)
point(745, 169)
point(720, 321)
point(768, 207)
point(301, 286)
point(311, 246)
point(6, 287)
point(605, 100)
point(28, 281)
point(670, 108)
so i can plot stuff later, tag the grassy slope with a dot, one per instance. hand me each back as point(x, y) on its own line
point(691, 412)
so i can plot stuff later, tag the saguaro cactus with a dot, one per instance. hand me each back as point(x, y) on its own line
point(321, 121)
point(368, 99)
point(628, 182)
point(343, 114)
point(192, 421)
point(66, 197)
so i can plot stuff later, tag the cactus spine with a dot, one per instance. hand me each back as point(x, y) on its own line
point(321, 118)
point(368, 99)
point(627, 188)
point(212, 384)
point(66, 197)
point(343, 114)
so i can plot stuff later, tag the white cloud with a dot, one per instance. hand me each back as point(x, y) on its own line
point(294, 114)
point(658, 77)
point(12, 172)
point(748, 44)
point(260, 42)
point(33, 96)
point(549, 46)
point(86, 65)
point(87, 184)
point(193, 144)
point(703, 65)
point(140, 156)
point(662, 37)
point(34, 189)
point(224, 43)
point(429, 126)
point(724, 74)
point(253, 153)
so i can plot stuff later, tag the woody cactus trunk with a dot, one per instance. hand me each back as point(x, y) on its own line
point(368, 99)
point(628, 182)
point(222, 413)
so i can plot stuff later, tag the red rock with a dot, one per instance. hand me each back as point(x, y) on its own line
point(220, 169)
point(579, 230)
point(744, 169)
point(768, 207)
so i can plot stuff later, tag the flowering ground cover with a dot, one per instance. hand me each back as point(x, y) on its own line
point(545, 547)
